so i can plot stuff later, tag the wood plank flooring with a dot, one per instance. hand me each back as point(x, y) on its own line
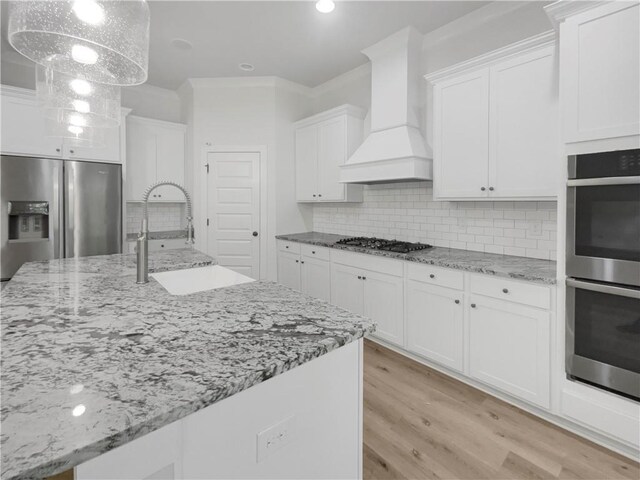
point(421, 424)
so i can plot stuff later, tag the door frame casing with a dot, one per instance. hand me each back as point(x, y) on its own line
point(263, 210)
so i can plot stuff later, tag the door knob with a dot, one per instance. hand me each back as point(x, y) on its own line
point(255, 234)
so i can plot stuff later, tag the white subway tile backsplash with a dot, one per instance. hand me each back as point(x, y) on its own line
point(407, 211)
point(162, 216)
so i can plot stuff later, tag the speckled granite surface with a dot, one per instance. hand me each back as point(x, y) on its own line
point(80, 332)
point(520, 268)
point(160, 235)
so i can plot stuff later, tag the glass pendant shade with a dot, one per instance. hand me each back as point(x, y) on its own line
point(102, 41)
point(75, 135)
point(66, 97)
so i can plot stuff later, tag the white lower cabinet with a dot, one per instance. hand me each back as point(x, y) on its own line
point(435, 324)
point(509, 348)
point(289, 269)
point(384, 304)
point(347, 290)
point(315, 277)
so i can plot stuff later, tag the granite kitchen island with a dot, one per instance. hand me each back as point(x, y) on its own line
point(126, 380)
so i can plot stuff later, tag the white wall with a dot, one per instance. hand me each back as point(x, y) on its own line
point(248, 112)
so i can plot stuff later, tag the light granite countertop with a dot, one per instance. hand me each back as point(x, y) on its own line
point(160, 235)
point(91, 360)
point(520, 268)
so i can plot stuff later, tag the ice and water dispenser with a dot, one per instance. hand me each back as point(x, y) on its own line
point(28, 221)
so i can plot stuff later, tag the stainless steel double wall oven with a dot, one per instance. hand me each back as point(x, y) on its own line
point(603, 270)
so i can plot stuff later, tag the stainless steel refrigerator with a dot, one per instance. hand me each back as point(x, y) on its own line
point(58, 208)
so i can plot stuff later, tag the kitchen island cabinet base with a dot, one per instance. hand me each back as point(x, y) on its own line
point(305, 423)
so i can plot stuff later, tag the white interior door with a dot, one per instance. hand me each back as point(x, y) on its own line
point(233, 210)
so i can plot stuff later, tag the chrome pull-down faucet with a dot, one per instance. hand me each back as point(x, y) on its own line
point(142, 243)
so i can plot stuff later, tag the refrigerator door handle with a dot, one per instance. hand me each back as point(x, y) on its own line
point(69, 209)
point(57, 212)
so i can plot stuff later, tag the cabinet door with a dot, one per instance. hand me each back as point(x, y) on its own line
point(347, 290)
point(524, 124)
point(289, 270)
point(332, 152)
point(307, 164)
point(461, 136)
point(384, 304)
point(601, 72)
point(110, 152)
point(435, 318)
point(23, 129)
point(169, 162)
point(509, 348)
point(316, 278)
point(141, 159)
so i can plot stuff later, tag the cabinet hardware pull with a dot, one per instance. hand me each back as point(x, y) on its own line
point(359, 277)
point(319, 194)
point(473, 305)
point(162, 246)
point(255, 234)
point(302, 261)
point(313, 251)
point(72, 151)
point(491, 189)
point(482, 188)
point(432, 276)
point(286, 246)
point(364, 278)
point(457, 302)
point(58, 150)
point(297, 261)
point(505, 290)
point(314, 194)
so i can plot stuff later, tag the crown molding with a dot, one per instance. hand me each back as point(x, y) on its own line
point(532, 43)
point(153, 121)
point(470, 21)
point(559, 11)
point(246, 82)
point(345, 109)
point(151, 90)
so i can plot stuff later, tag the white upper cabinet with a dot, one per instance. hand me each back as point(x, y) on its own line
point(495, 125)
point(155, 152)
point(323, 143)
point(24, 132)
point(600, 72)
point(462, 112)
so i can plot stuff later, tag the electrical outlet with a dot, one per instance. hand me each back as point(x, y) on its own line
point(275, 437)
point(535, 228)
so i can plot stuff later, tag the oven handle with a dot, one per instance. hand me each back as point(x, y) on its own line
point(594, 182)
point(610, 289)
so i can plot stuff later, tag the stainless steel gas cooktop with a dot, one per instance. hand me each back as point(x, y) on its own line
point(382, 244)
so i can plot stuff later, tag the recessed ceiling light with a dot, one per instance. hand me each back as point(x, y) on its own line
point(325, 6)
point(247, 67)
point(181, 44)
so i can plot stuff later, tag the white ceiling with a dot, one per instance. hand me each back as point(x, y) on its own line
point(289, 39)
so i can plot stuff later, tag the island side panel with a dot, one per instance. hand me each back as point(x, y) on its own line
point(305, 423)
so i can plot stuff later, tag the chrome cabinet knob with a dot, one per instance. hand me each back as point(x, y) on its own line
point(313, 251)
point(302, 261)
point(482, 188)
point(255, 234)
point(473, 305)
point(364, 278)
point(432, 276)
point(319, 194)
point(505, 290)
point(314, 194)
point(457, 302)
point(297, 261)
point(359, 277)
point(58, 150)
point(491, 189)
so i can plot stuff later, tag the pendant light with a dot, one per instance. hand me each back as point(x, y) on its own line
point(69, 98)
point(100, 41)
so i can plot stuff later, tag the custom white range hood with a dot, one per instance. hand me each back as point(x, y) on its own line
point(395, 150)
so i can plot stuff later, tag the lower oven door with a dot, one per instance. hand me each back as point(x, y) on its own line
point(603, 335)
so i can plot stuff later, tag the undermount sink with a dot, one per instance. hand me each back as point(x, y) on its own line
point(193, 280)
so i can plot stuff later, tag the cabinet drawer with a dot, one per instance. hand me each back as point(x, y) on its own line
point(291, 247)
point(365, 261)
point(443, 277)
point(519, 292)
point(313, 251)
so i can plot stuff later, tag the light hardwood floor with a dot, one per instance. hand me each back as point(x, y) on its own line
point(421, 424)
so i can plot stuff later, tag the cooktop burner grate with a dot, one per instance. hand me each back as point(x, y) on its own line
point(382, 244)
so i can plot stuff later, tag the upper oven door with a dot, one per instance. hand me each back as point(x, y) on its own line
point(603, 218)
